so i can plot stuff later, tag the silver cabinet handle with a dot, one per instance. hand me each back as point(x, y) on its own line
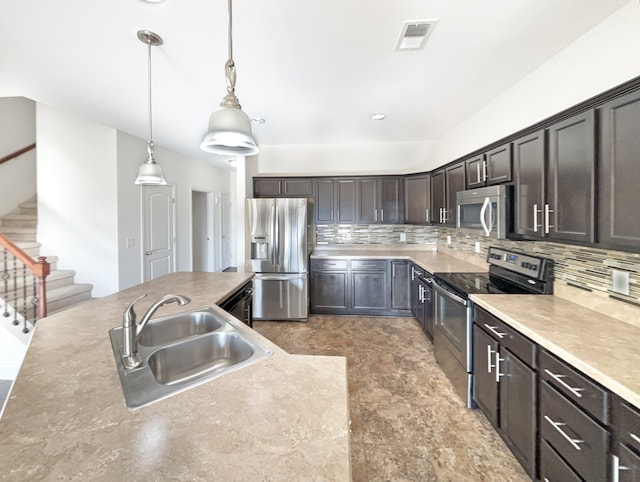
point(413, 273)
point(546, 218)
point(148, 253)
point(421, 294)
point(535, 217)
point(484, 171)
point(634, 437)
point(489, 352)
point(616, 468)
point(494, 330)
point(478, 172)
point(427, 215)
point(382, 215)
point(558, 378)
point(498, 360)
point(574, 442)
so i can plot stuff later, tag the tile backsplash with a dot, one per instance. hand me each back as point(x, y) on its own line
point(581, 267)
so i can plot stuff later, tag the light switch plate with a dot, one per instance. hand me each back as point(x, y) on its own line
point(403, 236)
point(620, 282)
point(130, 242)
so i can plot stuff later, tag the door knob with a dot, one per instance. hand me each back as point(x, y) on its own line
point(148, 253)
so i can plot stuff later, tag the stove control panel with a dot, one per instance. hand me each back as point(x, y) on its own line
point(525, 264)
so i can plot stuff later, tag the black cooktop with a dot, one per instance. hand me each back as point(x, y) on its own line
point(465, 284)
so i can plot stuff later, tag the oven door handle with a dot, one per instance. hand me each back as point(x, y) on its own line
point(483, 219)
point(445, 292)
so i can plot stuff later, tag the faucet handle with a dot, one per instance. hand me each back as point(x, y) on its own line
point(129, 318)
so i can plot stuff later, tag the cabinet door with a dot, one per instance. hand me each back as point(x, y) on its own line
point(345, 191)
point(498, 165)
point(518, 403)
point(329, 292)
point(400, 285)
point(323, 201)
point(619, 174)
point(485, 387)
point(475, 172)
point(267, 187)
point(529, 165)
point(438, 197)
point(571, 181)
point(391, 191)
point(628, 465)
point(370, 290)
point(302, 187)
point(367, 202)
point(417, 199)
point(454, 183)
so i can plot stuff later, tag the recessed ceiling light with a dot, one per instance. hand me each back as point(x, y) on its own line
point(378, 116)
point(153, 1)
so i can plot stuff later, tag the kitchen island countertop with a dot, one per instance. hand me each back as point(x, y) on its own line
point(66, 418)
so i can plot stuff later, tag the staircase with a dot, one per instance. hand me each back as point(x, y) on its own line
point(62, 291)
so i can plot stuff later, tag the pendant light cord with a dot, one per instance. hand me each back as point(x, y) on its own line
point(150, 138)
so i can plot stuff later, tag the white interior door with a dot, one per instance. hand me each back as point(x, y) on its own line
point(158, 236)
point(225, 230)
point(201, 232)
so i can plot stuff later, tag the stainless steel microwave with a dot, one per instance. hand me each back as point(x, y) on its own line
point(485, 211)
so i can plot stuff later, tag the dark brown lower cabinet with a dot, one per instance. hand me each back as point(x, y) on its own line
point(504, 387)
point(626, 451)
point(553, 468)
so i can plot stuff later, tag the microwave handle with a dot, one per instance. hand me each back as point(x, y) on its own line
point(483, 211)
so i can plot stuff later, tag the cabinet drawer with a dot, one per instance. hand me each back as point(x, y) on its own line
point(573, 434)
point(553, 468)
point(627, 425)
point(329, 263)
point(577, 387)
point(509, 338)
point(369, 264)
point(628, 466)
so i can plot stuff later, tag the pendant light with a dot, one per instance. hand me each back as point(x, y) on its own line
point(229, 127)
point(150, 172)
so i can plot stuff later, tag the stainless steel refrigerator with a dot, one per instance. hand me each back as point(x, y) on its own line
point(281, 236)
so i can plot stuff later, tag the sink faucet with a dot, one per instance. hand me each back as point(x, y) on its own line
point(131, 330)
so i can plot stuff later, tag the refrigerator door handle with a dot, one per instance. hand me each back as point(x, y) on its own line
point(274, 231)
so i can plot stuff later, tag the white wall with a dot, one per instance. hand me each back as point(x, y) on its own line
point(77, 197)
point(182, 172)
point(345, 159)
point(17, 130)
point(604, 57)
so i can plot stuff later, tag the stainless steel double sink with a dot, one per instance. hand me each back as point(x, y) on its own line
point(184, 350)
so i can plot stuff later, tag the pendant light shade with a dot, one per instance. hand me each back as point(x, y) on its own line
point(150, 173)
point(229, 127)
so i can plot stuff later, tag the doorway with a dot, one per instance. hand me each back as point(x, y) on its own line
point(202, 241)
point(225, 231)
point(158, 232)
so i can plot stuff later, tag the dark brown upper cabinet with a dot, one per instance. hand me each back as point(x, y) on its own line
point(282, 187)
point(454, 182)
point(324, 200)
point(417, 199)
point(555, 181)
point(619, 173)
point(569, 211)
point(529, 160)
point(492, 167)
point(380, 200)
point(438, 197)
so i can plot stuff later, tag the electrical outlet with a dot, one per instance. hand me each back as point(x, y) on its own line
point(403, 236)
point(477, 246)
point(620, 282)
point(448, 239)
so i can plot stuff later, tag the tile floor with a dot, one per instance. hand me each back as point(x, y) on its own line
point(407, 424)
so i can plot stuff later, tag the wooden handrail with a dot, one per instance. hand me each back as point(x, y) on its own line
point(17, 153)
point(40, 269)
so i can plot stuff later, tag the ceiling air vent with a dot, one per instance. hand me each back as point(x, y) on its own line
point(414, 34)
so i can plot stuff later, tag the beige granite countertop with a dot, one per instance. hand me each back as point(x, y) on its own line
point(602, 347)
point(430, 259)
point(284, 418)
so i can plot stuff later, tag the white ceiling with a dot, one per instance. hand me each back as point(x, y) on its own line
point(314, 70)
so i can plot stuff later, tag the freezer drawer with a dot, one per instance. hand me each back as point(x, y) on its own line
point(280, 297)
